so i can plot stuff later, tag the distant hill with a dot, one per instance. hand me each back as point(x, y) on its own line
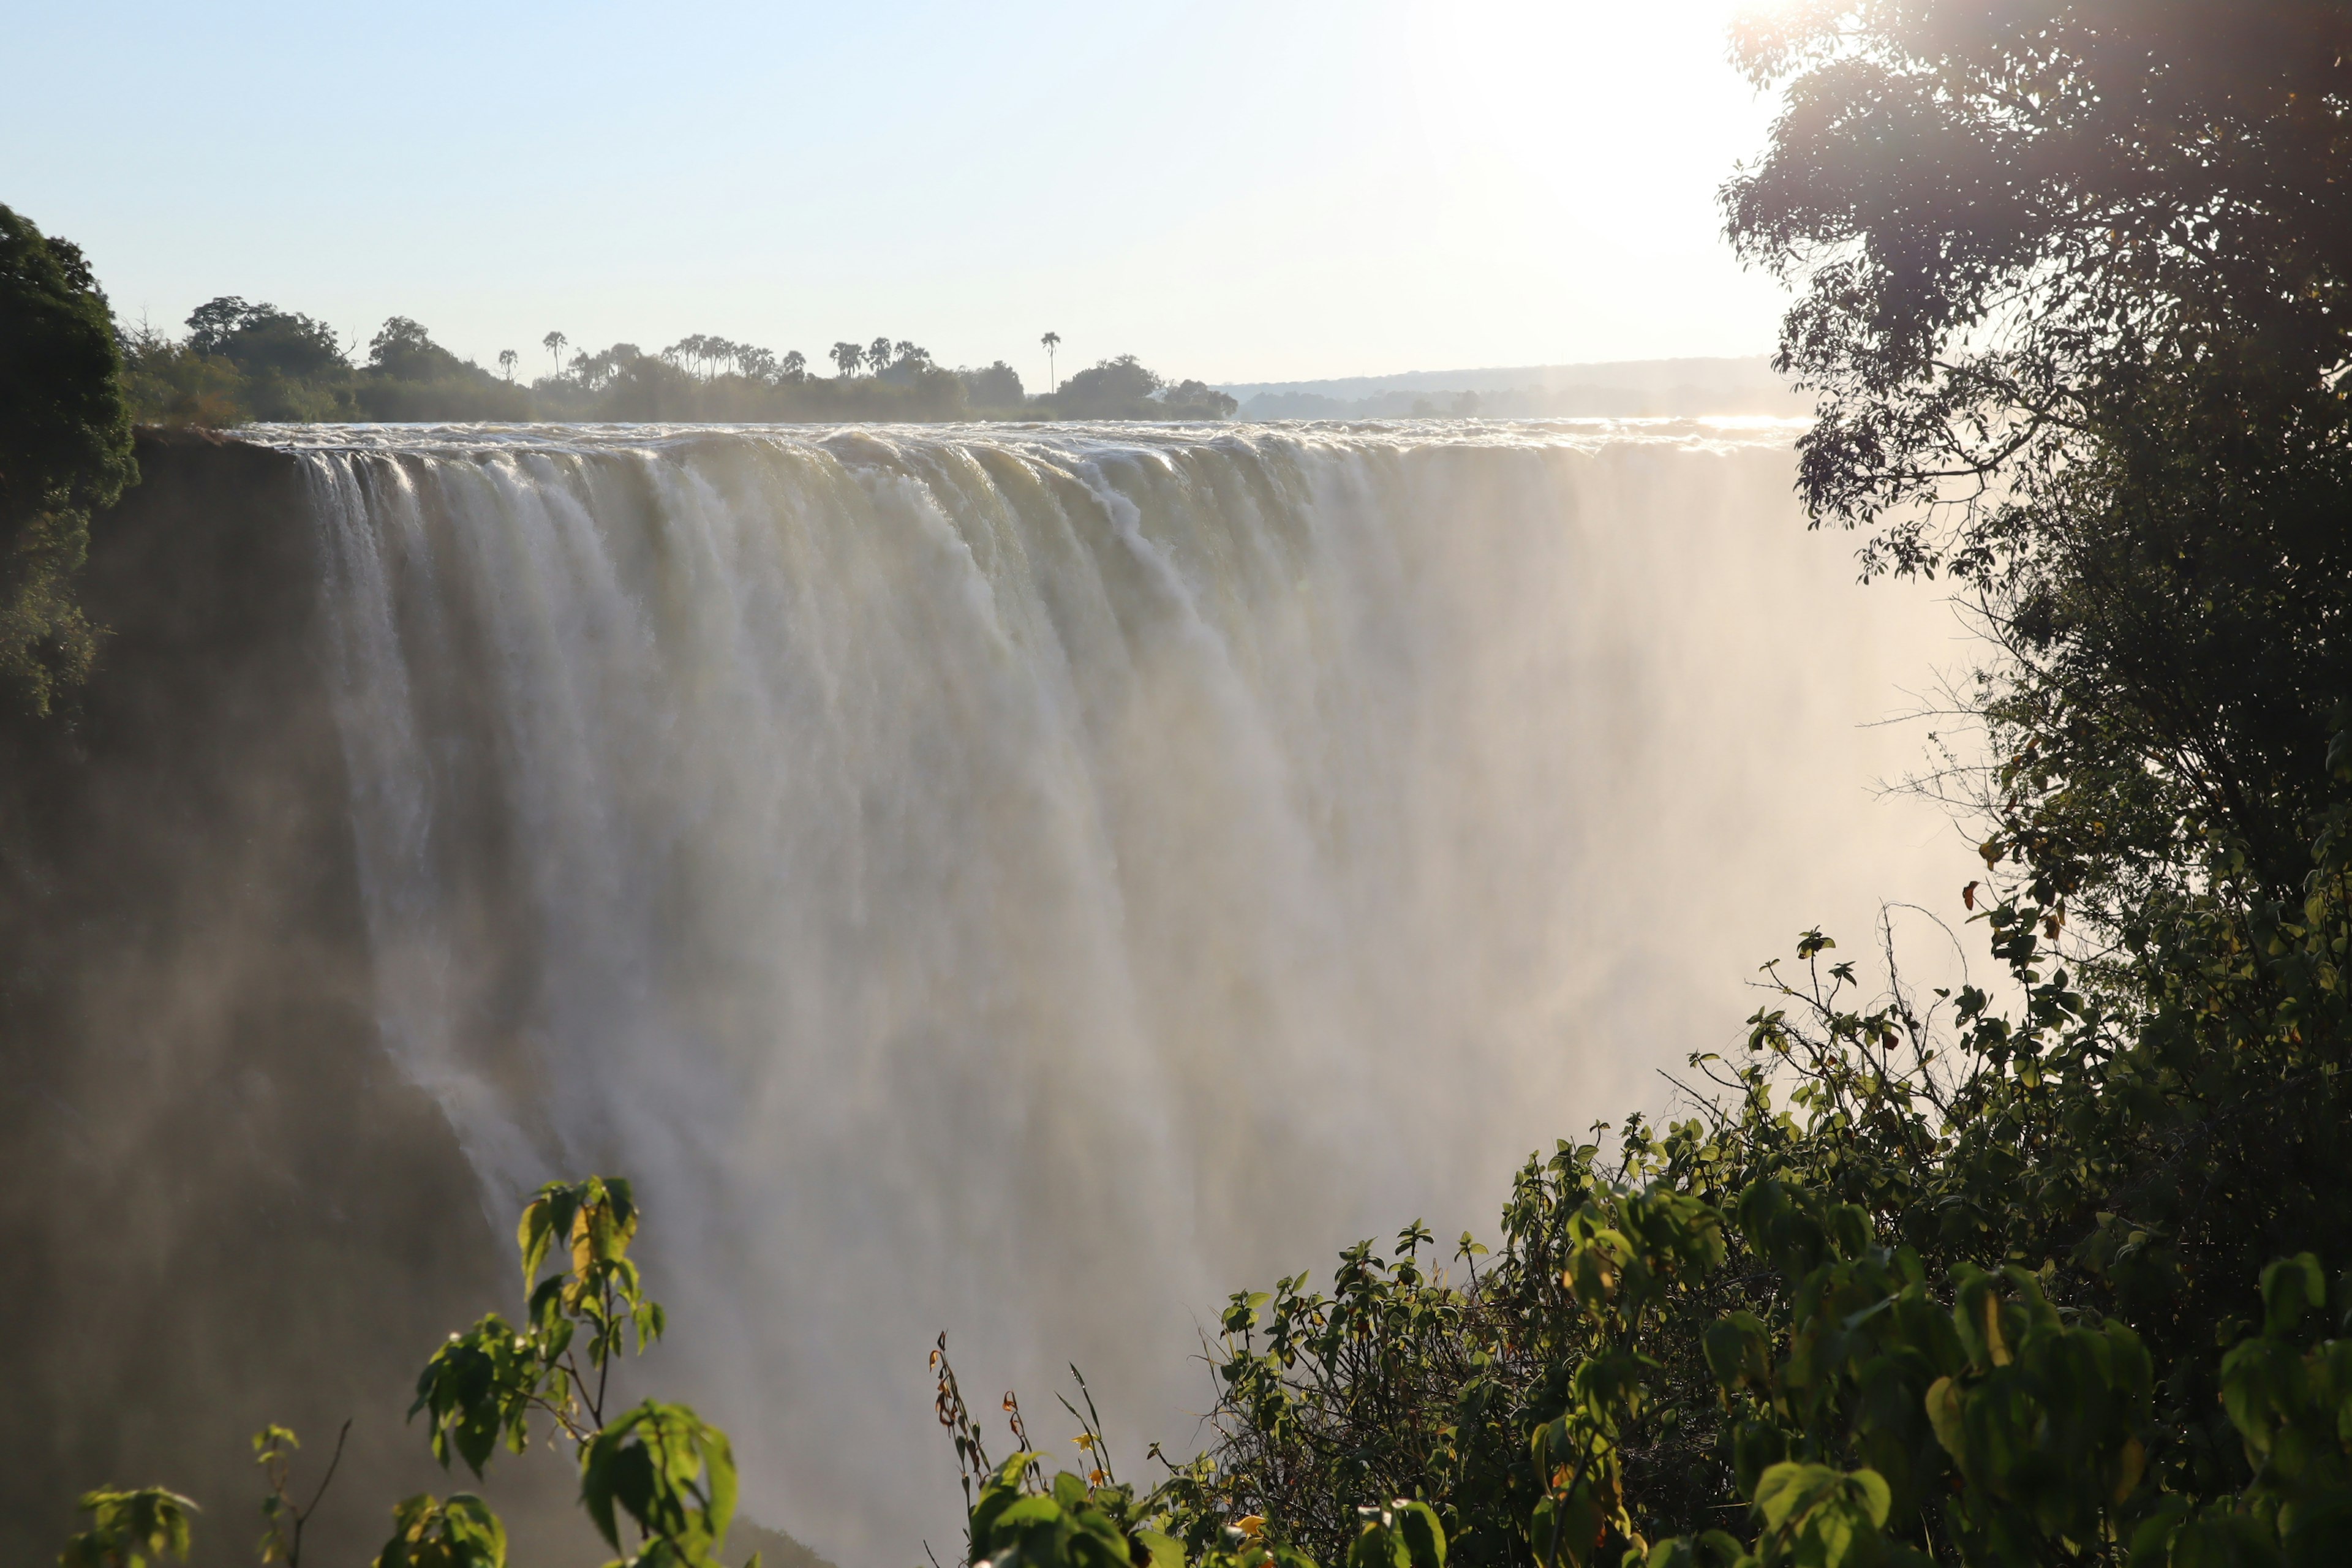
point(1624, 388)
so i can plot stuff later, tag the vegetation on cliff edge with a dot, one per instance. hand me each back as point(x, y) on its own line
point(65, 449)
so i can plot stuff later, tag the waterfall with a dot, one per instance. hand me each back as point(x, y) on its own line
point(1034, 882)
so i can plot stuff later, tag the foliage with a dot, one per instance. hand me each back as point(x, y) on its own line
point(993, 386)
point(1923, 1277)
point(703, 376)
point(241, 361)
point(128, 1530)
point(289, 366)
point(2290, 1400)
point(1118, 388)
point(1123, 388)
point(168, 382)
point(65, 451)
point(1403, 1534)
point(672, 1474)
point(662, 1469)
point(1196, 400)
point(1065, 1524)
point(1940, 1279)
point(404, 350)
point(273, 1449)
point(65, 437)
point(480, 1389)
point(429, 1533)
point(2073, 298)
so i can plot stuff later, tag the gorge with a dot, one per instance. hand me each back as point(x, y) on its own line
point(1026, 881)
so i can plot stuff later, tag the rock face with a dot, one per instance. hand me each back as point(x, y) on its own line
point(219, 1205)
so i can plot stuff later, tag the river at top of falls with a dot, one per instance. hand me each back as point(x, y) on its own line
point(1034, 880)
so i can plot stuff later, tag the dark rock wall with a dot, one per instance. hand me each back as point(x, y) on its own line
point(220, 1205)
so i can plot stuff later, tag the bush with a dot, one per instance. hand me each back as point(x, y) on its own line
point(65, 450)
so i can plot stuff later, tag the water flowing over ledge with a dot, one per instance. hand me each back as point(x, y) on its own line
point(1717, 434)
point(1033, 881)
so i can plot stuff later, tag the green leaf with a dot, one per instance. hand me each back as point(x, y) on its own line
point(127, 1527)
point(1424, 1538)
point(2291, 1288)
point(670, 1472)
point(462, 1532)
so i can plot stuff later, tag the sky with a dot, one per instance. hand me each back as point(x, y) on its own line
point(1236, 190)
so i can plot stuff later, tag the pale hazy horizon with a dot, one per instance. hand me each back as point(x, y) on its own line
point(1241, 194)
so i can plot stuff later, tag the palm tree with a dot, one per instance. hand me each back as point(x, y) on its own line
point(1051, 342)
point(877, 354)
point(847, 357)
point(553, 343)
point(796, 365)
point(506, 358)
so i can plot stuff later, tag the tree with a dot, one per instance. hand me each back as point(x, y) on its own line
point(1196, 400)
point(908, 363)
point(410, 376)
point(1052, 340)
point(2074, 296)
point(846, 357)
point(1118, 388)
point(265, 339)
point(878, 355)
point(795, 365)
point(506, 358)
point(597, 371)
point(996, 385)
point(705, 352)
point(213, 323)
point(403, 348)
point(554, 344)
point(166, 382)
point(65, 450)
point(273, 364)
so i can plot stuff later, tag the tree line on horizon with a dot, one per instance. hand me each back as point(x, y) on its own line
point(239, 362)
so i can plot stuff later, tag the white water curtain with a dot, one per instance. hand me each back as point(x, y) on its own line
point(1032, 883)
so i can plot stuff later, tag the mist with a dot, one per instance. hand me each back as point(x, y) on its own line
point(1034, 884)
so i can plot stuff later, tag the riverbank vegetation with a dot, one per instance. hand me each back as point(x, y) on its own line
point(2052, 1271)
point(239, 362)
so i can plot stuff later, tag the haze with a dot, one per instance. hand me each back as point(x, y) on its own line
point(1233, 190)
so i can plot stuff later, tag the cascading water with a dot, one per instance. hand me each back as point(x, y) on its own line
point(1032, 882)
